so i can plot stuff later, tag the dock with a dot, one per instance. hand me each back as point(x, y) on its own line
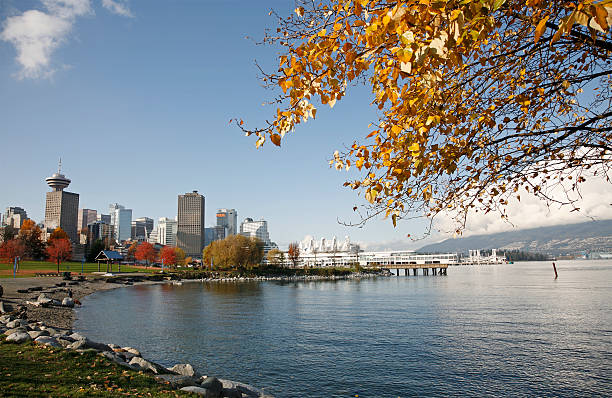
point(426, 269)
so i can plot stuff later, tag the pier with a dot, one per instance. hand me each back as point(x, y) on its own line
point(426, 269)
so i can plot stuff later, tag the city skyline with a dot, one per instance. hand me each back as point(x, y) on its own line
point(100, 97)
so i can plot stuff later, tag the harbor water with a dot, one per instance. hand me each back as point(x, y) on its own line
point(496, 330)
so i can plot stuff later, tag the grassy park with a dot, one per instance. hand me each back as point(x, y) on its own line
point(31, 268)
point(28, 370)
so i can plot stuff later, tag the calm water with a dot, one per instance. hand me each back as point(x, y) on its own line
point(508, 330)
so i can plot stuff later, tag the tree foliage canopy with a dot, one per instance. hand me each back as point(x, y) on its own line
point(234, 251)
point(145, 252)
point(478, 100)
point(31, 236)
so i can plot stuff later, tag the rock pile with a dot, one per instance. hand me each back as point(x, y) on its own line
point(180, 376)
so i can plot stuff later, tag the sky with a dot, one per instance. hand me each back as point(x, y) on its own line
point(136, 96)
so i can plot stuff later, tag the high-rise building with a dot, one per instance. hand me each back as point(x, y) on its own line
point(255, 229)
point(148, 224)
point(121, 220)
point(166, 231)
point(190, 228)
point(228, 219)
point(15, 216)
point(86, 217)
point(105, 218)
point(100, 230)
point(62, 207)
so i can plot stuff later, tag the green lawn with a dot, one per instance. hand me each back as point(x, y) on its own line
point(29, 268)
point(28, 370)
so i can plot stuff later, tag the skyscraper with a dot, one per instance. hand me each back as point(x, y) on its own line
point(15, 216)
point(121, 220)
point(190, 228)
point(61, 208)
point(86, 217)
point(166, 231)
point(228, 219)
point(141, 228)
point(255, 229)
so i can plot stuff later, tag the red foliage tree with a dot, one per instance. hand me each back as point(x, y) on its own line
point(145, 252)
point(11, 249)
point(168, 255)
point(59, 250)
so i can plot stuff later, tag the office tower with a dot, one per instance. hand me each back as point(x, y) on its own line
point(121, 220)
point(62, 207)
point(100, 230)
point(148, 224)
point(15, 216)
point(166, 231)
point(105, 218)
point(255, 229)
point(86, 217)
point(190, 228)
point(228, 219)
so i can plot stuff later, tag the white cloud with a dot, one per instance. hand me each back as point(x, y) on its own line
point(37, 34)
point(118, 7)
point(595, 202)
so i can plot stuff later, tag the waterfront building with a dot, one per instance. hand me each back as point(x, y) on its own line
point(141, 228)
point(255, 229)
point(61, 207)
point(153, 237)
point(14, 217)
point(86, 217)
point(228, 220)
point(166, 231)
point(100, 230)
point(121, 220)
point(105, 218)
point(258, 229)
point(148, 224)
point(190, 223)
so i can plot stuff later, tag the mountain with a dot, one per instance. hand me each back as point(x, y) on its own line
point(592, 236)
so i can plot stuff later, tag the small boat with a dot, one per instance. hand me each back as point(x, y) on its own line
point(177, 283)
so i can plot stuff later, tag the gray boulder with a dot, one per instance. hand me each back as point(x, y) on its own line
point(5, 318)
point(44, 300)
point(86, 343)
point(67, 302)
point(185, 369)
point(242, 388)
point(77, 336)
point(177, 381)
point(19, 337)
point(48, 341)
point(213, 384)
point(19, 329)
point(37, 333)
point(205, 392)
point(145, 365)
point(16, 323)
point(132, 351)
point(2, 309)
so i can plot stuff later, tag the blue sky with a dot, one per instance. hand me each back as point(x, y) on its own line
point(138, 109)
point(135, 96)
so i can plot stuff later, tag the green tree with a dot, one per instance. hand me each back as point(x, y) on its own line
point(479, 100)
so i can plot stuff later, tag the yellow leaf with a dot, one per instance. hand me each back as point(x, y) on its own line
point(414, 147)
point(540, 28)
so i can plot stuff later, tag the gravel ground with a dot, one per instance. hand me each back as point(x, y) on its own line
point(57, 317)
